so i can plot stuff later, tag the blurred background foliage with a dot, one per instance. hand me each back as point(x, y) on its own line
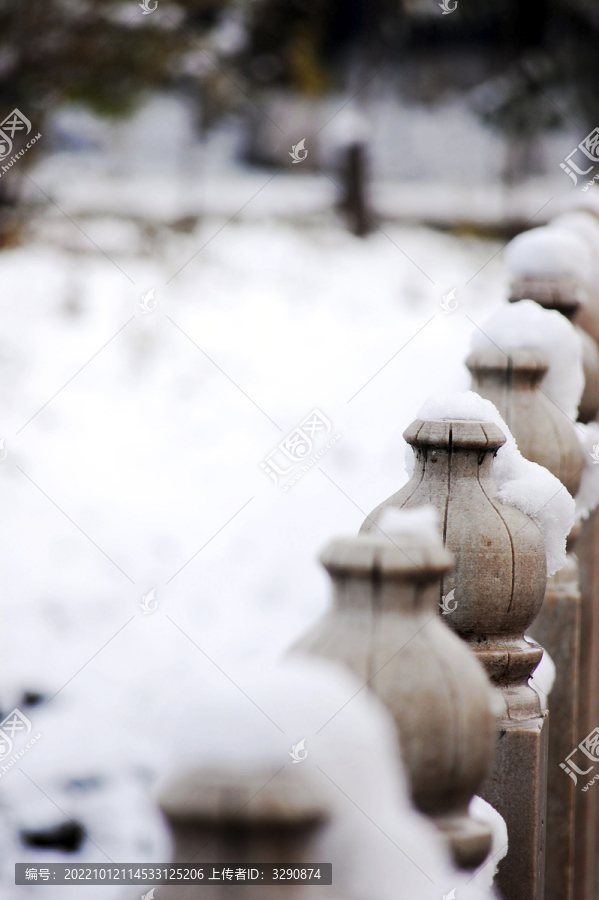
point(526, 66)
point(526, 49)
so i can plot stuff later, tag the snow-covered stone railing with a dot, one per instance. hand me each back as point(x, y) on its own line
point(558, 266)
point(583, 220)
point(511, 379)
point(233, 791)
point(466, 464)
point(387, 590)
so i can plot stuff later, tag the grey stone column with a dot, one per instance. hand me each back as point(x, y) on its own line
point(562, 294)
point(511, 380)
point(499, 582)
point(384, 626)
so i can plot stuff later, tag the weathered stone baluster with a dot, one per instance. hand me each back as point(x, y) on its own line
point(499, 582)
point(585, 223)
point(511, 381)
point(563, 293)
point(242, 817)
point(384, 626)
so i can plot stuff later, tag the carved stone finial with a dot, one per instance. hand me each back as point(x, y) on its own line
point(500, 572)
point(385, 627)
point(511, 381)
point(499, 582)
point(545, 435)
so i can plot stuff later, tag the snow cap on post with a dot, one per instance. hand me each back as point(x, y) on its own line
point(405, 545)
point(528, 325)
point(581, 200)
point(550, 265)
point(585, 225)
point(554, 267)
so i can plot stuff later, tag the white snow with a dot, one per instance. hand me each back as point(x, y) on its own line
point(526, 324)
point(586, 225)
point(577, 200)
point(524, 484)
point(416, 525)
point(134, 450)
point(543, 676)
point(484, 812)
point(587, 497)
point(549, 251)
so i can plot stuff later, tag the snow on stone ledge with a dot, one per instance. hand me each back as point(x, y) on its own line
point(526, 324)
point(524, 484)
point(549, 251)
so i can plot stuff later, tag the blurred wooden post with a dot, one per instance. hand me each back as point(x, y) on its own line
point(545, 435)
point(561, 294)
point(354, 202)
point(499, 582)
point(347, 137)
point(235, 817)
point(384, 626)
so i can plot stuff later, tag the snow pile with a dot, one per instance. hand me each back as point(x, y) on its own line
point(526, 324)
point(585, 225)
point(352, 763)
point(97, 769)
point(543, 677)
point(577, 200)
point(484, 812)
point(524, 484)
point(155, 454)
point(549, 251)
point(587, 497)
point(419, 526)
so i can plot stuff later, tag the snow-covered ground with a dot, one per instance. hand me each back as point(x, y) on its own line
point(133, 446)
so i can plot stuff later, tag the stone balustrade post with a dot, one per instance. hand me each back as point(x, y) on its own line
point(511, 381)
point(384, 626)
point(563, 294)
point(498, 582)
point(243, 817)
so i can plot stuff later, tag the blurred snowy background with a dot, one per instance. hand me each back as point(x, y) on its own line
point(134, 436)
